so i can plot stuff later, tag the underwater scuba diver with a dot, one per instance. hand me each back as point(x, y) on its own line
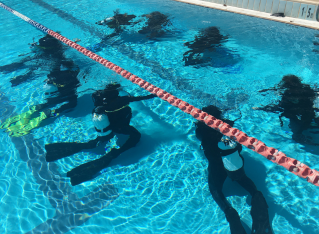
point(206, 49)
point(60, 89)
point(112, 114)
point(299, 103)
point(225, 160)
point(155, 24)
point(117, 21)
point(47, 52)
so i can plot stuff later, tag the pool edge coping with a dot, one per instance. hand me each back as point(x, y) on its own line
point(253, 13)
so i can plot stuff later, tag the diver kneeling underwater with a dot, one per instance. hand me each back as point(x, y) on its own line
point(112, 114)
point(60, 90)
point(225, 160)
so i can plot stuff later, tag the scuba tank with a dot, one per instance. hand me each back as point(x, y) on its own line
point(49, 88)
point(101, 121)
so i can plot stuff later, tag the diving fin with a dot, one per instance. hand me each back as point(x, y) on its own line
point(259, 213)
point(57, 151)
point(19, 130)
point(233, 219)
point(87, 171)
point(18, 118)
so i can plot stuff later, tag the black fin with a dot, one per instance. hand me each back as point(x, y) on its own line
point(259, 213)
point(57, 151)
point(87, 171)
point(234, 221)
point(61, 150)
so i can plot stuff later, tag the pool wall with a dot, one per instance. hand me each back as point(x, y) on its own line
point(303, 13)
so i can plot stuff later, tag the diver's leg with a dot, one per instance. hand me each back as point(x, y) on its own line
point(259, 213)
point(53, 101)
point(134, 137)
point(11, 67)
point(17, 80)
point(297, 127)
point(72, 102)
point(259, 207)
point(216, 179)
point(57, 151)
point(87, 170)
point(246, 183)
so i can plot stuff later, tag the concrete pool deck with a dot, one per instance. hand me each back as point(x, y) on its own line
point(313, 24)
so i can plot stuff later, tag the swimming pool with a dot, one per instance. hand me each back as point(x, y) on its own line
point(162, 183)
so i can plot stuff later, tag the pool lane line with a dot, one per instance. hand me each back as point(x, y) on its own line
point(164, 73)
point(272, 154)
point(70, 210)
point(253, 13)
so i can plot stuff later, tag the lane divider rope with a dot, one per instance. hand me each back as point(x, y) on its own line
point(294, 166)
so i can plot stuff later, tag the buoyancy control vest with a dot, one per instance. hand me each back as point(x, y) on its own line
point(233, 161)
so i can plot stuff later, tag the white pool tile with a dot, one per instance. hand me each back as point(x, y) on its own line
point(268, 6)
point(262, 6)
point(311, 12)
point(295, 9)
point(288, 9)
point(251, 5)
point(234, 3)
point(256, 5)
point(275, 5)
point(245, 4)
point(282, 6)
point(240, 3)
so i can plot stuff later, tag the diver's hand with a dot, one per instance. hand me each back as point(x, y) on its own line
point(255, 108)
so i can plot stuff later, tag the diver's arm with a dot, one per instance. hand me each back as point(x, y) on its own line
point(140, 98)
point(269, 108)
point(265, 90)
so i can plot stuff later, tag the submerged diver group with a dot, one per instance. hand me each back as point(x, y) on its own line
point(112, 115)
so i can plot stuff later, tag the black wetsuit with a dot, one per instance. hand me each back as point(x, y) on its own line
point(207, 40)
point(217, 174)
point(120, 114)
point(67, 84)
point(155, 25)
point(49, 52)
point(296, 104)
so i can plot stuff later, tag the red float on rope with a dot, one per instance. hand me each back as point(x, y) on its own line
point(259, 147)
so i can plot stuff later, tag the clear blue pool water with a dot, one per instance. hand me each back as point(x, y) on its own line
point(162, 182)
